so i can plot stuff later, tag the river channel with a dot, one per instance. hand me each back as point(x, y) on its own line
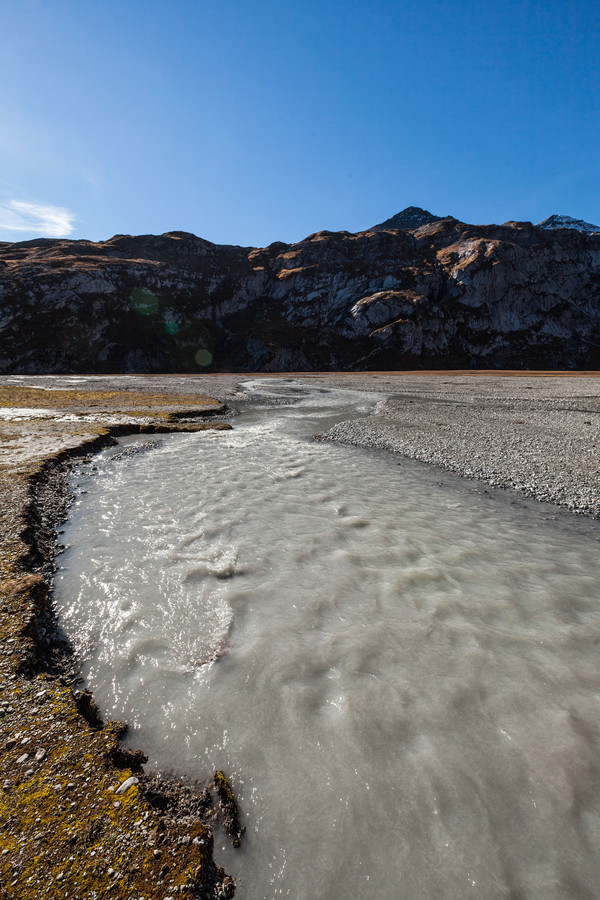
point(399, 672)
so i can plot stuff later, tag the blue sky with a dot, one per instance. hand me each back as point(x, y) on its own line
point(249, 121)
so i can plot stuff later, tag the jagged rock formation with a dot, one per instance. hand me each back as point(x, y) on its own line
point(409, 219)
point(444, 295)
point(568, 222)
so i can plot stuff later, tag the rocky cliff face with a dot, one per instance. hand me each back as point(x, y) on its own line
point(442, 295)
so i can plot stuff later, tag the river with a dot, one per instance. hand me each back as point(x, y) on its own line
point(398, 670)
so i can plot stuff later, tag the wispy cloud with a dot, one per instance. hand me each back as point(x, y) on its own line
point(39, 219)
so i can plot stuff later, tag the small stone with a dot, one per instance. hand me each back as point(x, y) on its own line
point(5, 852)
point(11, 742)
point(28, 773)
point(22, 759)
point(40, 754)
point(117, 804)
point(129, 782)
point(110, 872)
point(156, 853)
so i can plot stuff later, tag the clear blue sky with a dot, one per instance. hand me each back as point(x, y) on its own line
point(249, 121)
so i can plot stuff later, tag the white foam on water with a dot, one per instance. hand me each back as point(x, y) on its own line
point(400, 676)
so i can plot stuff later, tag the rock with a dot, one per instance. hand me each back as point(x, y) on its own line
point(23, 758)
point(229, 807)
point(40, 755)
point(129, 782)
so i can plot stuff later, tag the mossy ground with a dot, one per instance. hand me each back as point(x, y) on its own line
point(64, 830)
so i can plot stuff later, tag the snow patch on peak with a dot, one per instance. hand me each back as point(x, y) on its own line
point(557, 221)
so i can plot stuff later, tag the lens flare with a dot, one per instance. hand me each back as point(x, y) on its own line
point(144, 301)
point(203, 357)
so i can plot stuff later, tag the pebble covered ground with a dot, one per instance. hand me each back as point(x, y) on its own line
point(536, 435)
point(78, 818)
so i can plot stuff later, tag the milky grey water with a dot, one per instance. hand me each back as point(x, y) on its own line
point(400, 676)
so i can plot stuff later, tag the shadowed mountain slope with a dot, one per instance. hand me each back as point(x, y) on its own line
point(443, 295)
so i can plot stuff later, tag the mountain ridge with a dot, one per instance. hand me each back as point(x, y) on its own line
point(413, 217)
point(443, 295)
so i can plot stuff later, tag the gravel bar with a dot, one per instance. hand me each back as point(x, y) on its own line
point(539, 436)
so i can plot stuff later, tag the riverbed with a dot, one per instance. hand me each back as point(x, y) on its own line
point(398, 672)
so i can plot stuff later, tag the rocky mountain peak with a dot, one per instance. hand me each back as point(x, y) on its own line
point(557, 221)
point(408, 219)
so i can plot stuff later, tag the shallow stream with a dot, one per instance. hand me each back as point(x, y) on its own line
point(400, 672)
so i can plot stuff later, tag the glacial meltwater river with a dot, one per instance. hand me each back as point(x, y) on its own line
point(400, 674)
